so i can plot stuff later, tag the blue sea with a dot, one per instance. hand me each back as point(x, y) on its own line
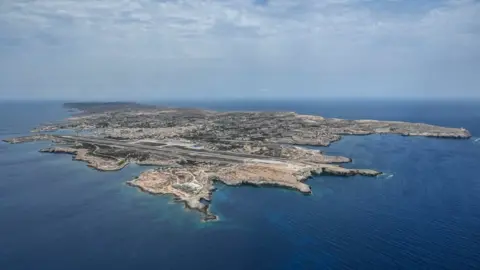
point(423, 213)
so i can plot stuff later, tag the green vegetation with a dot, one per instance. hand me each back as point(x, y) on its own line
point(122, 162)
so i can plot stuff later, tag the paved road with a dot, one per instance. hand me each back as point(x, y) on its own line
point(171, 151)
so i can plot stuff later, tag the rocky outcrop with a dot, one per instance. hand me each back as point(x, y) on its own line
point(33, 138)
point(193, 184)
point(188, 185)
point(335, 170)
point(96, 162)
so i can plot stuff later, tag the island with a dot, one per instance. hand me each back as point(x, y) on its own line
point(191, 148)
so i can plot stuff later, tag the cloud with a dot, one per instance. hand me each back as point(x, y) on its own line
point(187, 48)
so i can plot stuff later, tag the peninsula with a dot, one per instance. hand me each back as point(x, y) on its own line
point(193, 148)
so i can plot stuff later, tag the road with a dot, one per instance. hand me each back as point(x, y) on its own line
point(172, 151)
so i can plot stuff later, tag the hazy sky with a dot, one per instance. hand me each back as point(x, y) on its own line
point(174, 49)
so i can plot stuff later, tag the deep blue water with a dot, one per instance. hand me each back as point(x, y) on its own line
point(424, 213)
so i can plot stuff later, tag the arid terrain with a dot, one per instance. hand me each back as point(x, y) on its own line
point(190, 149)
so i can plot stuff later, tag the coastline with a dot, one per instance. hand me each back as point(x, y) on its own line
point(187, 172)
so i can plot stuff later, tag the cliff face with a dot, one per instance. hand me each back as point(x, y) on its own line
point(192, 184)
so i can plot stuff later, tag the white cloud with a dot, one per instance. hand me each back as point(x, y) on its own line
point(310, 47)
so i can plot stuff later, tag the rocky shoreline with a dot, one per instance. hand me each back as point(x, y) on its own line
point(101, 164)
point(198, 180)
point(195, 148)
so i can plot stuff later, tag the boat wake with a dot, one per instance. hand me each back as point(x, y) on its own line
point(387, 175)
point(476, 140)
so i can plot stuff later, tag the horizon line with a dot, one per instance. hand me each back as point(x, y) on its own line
point(249, 99)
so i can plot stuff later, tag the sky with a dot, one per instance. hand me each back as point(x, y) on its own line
point(239, 49)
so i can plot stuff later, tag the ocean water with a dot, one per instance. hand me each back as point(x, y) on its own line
point(423, 213)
